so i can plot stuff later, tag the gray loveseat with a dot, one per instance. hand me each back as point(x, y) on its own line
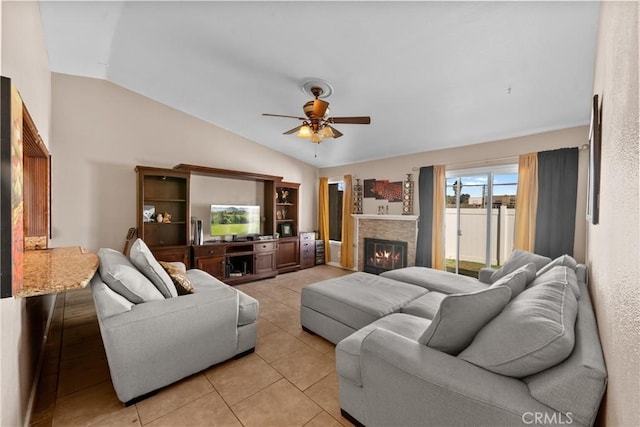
point(153, 336)
point(522, 349)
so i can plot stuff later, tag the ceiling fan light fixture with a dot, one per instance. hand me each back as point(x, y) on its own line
point(327, 132)
point(316, 138)
point(304, 132)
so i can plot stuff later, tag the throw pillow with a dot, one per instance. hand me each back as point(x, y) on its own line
point(563, 260)
point(141, 256)
point(561, 274)
point(517, 259)
point(179, 278)
point(122, 277)
point(533, 333)
point(518, 280)
point(461, 316)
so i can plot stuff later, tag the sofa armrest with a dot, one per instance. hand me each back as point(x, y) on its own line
point(160, 342)
point(406, 383)
point(484, 275)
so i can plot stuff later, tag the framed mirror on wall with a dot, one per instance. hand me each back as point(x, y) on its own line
point(595, 154)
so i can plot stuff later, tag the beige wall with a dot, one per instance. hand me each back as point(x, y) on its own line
point(23, 58)
point(612, 252)
point(475, 156)
point(102, 131)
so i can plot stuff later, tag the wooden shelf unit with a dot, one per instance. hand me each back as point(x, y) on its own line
point(237, 262)
point(167, 190)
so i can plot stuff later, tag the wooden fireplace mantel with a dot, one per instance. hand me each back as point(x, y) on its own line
point(386, 217)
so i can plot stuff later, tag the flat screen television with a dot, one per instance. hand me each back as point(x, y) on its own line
point(241, 220)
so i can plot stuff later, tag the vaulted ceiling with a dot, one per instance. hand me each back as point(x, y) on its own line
point(431, 75)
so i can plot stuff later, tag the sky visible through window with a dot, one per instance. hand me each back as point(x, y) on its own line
point(503, 185)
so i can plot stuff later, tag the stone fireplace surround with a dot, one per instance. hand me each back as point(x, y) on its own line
point(388, 227)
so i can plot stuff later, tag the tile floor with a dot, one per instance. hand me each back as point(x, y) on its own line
point(290, 380)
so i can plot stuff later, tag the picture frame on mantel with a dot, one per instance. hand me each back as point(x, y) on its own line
point(595, 154)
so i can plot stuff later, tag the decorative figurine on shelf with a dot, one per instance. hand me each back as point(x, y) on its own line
point(284, 198)
point(159, 218)
point(166, 218)
point(277, 198)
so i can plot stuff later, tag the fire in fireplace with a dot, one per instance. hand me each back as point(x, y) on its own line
point(383, 255)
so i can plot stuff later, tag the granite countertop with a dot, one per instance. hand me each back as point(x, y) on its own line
point(55, 270)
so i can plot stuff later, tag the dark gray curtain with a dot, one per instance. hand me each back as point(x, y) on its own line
point(557, 193)
point(425, 194)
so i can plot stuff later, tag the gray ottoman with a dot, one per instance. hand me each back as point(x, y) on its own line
point(336, 308)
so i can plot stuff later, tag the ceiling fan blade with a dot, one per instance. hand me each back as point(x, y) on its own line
point(319, 108)
point(294, 130)
point(336, 132)
point(364, 120)
point(280, 115)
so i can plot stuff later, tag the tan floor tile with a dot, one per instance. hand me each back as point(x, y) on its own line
point(288, 321)
point(323, 419)
point(315, 341)
point(81, 333)
point(265, 327)
point(280, 404)
point(87, 406)
point(239, 379)
point(173, 397)
point(79, 373)
point(209, 410)
point(127, 417)
point(304, 368)
point(278, 344)
point(83, 350)
point(286, 296)
point(325, 393)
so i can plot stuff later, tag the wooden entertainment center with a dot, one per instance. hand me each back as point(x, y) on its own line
point(168, 191)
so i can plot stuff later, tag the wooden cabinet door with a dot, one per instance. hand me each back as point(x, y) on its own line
point(288, 254)
point(265, 262)
point(215, 266)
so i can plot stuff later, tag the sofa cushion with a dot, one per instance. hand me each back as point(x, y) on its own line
point(563, 260)
point(359, 298)
point(435, 280)
point(180, 279)
point(108, 302)
point(518, 259)
point(461, 316)
point(518, 280)
point(202, 281)
point(558, 274)
point(534, 332)
point(425, 306)
point(247, 309)
point(140, 255)
point(348, 350)
point(122, 277)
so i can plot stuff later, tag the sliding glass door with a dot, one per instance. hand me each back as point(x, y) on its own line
point(480, 208)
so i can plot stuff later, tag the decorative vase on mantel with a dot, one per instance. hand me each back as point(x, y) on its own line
point(357, 197)
point(407, 195)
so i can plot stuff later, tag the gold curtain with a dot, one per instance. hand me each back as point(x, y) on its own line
point(323, 215)
point(437, 233)
point(526, 202)
point(346, 253)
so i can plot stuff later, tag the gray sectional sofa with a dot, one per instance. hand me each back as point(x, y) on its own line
point(152, 335)
point(440, 350)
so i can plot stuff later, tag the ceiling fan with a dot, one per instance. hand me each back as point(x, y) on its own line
point(317, 125)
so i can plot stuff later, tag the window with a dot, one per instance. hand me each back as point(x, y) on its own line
point(335, 210)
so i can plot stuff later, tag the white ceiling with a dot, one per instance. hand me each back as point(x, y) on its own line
point(430, 74)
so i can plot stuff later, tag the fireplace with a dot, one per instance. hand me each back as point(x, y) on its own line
point(383, 255)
